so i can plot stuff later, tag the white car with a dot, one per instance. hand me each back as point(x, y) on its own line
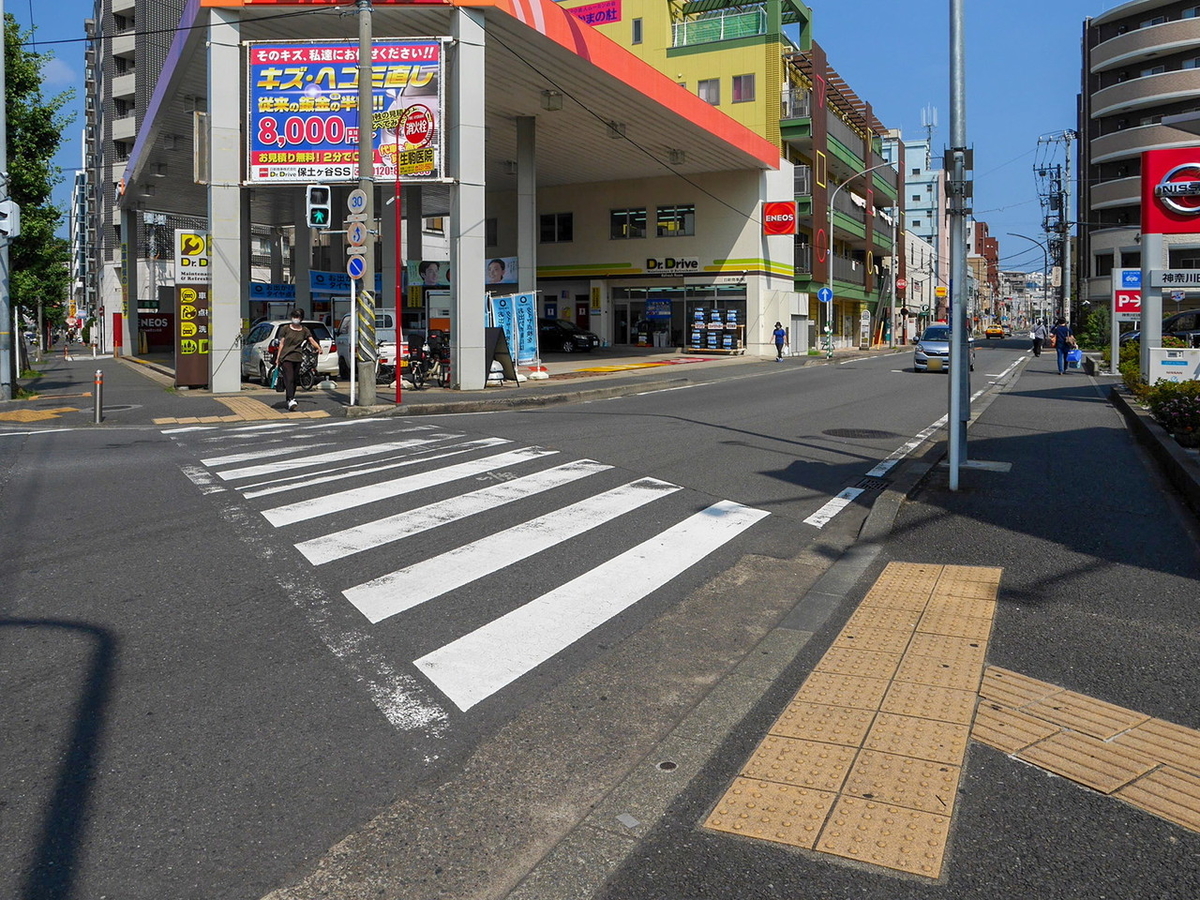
point(258, 356)
point(385, 341)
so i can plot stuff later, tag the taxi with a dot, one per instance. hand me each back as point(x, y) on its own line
point(993, 331)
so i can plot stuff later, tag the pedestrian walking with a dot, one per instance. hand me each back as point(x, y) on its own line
point(292, 338)
point(1039, 337)
point(1064, 340)
point(780, 336)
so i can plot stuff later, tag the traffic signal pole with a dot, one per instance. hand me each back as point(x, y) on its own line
point(365, 307)
point(960, 360)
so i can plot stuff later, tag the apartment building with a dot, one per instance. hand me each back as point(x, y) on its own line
point(759, 64)
point(1141, 63)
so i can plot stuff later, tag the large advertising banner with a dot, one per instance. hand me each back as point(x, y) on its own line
point(516, 316)
point(304, 116)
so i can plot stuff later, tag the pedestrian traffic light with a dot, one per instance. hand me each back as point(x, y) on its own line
point(10, 218)
point(318, 206)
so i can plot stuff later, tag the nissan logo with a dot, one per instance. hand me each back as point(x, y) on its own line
point(1170, 193)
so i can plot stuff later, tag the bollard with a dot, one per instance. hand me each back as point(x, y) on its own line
point(98, 395)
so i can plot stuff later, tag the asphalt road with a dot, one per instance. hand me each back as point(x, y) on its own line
point(201, 699)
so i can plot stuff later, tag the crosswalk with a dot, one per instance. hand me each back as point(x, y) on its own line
point(552, 547)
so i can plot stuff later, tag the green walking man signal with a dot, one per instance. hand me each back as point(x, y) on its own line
point(318, 206)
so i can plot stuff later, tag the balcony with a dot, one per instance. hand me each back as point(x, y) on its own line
point(1133, 141)
point(125, 128)
point(1118, 192)
point(851, 271)
point(848, 203)
point(803, 181)
point(1136, 47)
point(797, 104)
point(847, 137)
point(803, 259)
point(1145, 92)
point(123, 6)
point(123, 44)
point(124, 85)
point(725, 25)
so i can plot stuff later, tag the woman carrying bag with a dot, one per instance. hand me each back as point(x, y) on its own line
point(292, 338)
point(1062, 339)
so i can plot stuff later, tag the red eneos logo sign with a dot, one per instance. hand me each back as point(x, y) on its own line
point(1171, 191)
point(779, 217)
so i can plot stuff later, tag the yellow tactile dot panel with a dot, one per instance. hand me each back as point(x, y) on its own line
point(903, 781)
point(773, 812)
point(929, 702)
point(843, 690)
point(1166, 742)
point(806, 764)
point(1102, 766)
point(1168, 794)
point(817, 722)
point(1013, 689)
point(882, 723)
point(1009, 730)
point(1086, 714)
point(885, 835)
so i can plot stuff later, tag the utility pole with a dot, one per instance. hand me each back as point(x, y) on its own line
point(8, 367)
point(960, 362)
point(365, 308)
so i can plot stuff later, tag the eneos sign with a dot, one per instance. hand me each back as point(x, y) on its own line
point(779, 217)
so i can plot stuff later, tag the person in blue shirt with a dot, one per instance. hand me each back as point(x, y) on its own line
point(780, 338)
point(1064, 339)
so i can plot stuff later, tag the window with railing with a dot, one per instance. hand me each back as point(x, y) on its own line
point(803, 180)
point(725, 25)
point(803, 258)
point(796, 103)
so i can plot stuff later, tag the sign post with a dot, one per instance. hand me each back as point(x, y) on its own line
point(1126, 307)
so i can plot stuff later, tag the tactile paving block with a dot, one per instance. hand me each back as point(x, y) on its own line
point(1008, 730)
point(1104, 767)
point(866, 663)
point(957, 651)
point(842, 690)
point(964, 590)
point(919, 738)
point(903, 781)
point(896, 598)
point(938, 671)
point(911, 571)
point(806, 764)
point(883, 640)
point(961, 606)
point(884, 617)
point(886, 835)
point(938, 621)
point(1166, 742)
point(1086, 714)
point(1168, 794)
point(984, 574)
point(818, 722)
point(928, 702)
point(1014, 689)
point(773, 812)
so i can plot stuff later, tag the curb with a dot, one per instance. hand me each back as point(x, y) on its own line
point(1181, 468)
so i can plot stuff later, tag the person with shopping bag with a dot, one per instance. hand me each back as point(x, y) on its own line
point(292, 339)
point(1062, 338)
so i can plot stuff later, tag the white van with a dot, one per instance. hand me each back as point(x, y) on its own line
point(385, 341)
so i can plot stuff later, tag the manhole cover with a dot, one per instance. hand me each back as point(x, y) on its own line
point(860, 433)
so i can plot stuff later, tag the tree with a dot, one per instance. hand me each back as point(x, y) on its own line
point(39, 260)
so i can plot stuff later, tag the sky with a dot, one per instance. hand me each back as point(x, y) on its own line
point(1022, 79)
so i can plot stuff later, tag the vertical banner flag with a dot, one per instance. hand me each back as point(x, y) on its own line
point(516, 316)
point(304, 116)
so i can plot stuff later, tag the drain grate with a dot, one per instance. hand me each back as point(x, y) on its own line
point(860, 433)
point(872, 484)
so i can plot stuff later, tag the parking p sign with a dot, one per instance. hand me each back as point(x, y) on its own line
point(1127, 295)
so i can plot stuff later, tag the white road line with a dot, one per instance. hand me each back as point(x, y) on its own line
point(822, 516)
point(304, 510)
point(416, 584)
point(394, 528)
point(682, 387)
point(292, 463)
point(475, 666)
point(189, 428)
point(277, 449)
point(898, 454)
point(293, 482)
point(271, 426)
point(202, 478)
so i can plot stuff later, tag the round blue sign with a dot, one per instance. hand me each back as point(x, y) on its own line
point(825, 295)
point(355, 267)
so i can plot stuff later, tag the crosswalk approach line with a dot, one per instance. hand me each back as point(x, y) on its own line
point(277, 465)
point(390, 529)
point(413, 585)
point(303, 510)
point(473, 667)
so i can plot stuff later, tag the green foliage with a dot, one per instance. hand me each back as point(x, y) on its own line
point(1129, 365)
point(39, 261)
point(1175, 406)
point(1091, 332)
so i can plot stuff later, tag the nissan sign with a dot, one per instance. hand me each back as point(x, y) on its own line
point(1171, 191)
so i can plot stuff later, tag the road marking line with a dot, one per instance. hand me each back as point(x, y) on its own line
point(297, 462)
point(822, 516)
point(189, 428)
point(475, 666)
point(303, 510)
point(379, 532)
point(895, 456)
point(271, 452)
point(413, 585)
point(202, 478)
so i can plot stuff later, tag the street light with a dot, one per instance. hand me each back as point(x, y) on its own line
point(829, 253)
point(1045, 263)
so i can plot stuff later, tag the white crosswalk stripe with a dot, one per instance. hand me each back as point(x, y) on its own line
point(469, 668)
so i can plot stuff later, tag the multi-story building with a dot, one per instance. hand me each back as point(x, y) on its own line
point(82, 296)
point(1141, 62)
point(759, 64)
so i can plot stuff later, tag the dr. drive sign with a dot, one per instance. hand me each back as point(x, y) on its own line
point(303, 110)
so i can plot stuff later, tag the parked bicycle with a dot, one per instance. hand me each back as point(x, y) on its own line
point(306, 374)
point(420, 363)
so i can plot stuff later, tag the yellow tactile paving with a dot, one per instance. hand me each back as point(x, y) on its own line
point(1086, 714)
point(243, 409)
point(1009, 730)
point(1168, 794)
point(35, 415)
point(886, 835)
point(1102, 766)
point(1013, 689)
point(1166, 742)
point(879, 728)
